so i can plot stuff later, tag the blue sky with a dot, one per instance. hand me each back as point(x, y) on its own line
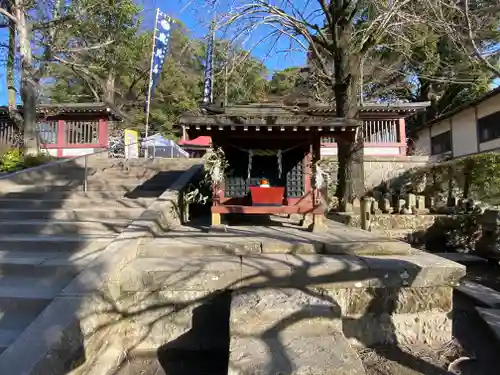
point(196, 18)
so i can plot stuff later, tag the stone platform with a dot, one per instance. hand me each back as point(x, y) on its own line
point(260, 300)
point(296, 301)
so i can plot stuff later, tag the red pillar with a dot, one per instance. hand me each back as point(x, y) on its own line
point(402, 136)
point(103, 133)
point(61, 137)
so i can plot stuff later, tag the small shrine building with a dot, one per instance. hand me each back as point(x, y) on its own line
point(272, 152)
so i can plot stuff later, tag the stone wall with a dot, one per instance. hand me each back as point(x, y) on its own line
point(381, 168)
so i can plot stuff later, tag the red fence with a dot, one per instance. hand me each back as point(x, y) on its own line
point(56, 136)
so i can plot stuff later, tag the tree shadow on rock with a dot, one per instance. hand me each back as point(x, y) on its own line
point(204, 349)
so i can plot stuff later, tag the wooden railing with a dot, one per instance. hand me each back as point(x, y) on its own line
point(381, 131)
point(377, 131)
point(82, 132)
point(7, 133)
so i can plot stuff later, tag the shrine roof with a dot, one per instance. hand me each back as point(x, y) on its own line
point(71, 108)
point(296, 114)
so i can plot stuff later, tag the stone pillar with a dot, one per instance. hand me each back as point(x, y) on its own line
point(366, 208)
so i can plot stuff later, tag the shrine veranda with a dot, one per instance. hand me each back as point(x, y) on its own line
point(280, 144)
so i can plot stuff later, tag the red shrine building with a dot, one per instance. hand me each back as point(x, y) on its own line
point(67, 130)
point(272, 150)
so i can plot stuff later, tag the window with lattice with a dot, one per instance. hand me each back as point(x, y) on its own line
point(82, 132)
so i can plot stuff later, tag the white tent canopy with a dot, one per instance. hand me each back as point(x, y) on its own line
point(160, 147)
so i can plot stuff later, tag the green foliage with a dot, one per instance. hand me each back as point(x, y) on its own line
point(284, 81)
point(476, 176)
point(451, 233)
point(13, 160)
point(214, 169)
point(181, 84)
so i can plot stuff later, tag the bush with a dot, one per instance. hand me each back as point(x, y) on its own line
point(476, 177)
point(13, 160)
point(453, 233)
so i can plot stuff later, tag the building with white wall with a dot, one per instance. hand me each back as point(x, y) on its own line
point(469, 129)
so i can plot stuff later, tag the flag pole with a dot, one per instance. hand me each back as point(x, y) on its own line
point(148, 102)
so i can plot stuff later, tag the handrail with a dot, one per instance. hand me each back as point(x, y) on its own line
point(67, 160)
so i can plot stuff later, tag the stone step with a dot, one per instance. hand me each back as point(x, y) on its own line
point(492, 319)
point(103, 186)
point(32, 288)
point(90, 213)
point(79, 194)
point(75, 203)
point(145, 163)
point(53, 227)
point(482, 294)
point(73, 260)
point(19, 307)
point(134, 173)
point(64, 245)
point(38, 267)
point(7, 337)
point(200, 245)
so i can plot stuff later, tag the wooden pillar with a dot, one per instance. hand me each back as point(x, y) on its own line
point(318, 218)
point(61, 137)
point(402, 136)
point(103, 133)
point(216, 218)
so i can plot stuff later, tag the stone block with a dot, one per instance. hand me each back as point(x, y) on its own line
point(356, 204)
point(288, 270)
point(382, 247)
point(385, 206)
point(328, 354)
point(288, 330)
point(400, 205)
point(363, 301)
point(291, 247)
point(256, 312)
point(419, 269)
point(420, 202)
point(433, 329)
point(411, 201)
point(381, 222)
point(180, 319)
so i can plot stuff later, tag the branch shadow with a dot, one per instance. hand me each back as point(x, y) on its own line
point(298, 298)
point(40, 260)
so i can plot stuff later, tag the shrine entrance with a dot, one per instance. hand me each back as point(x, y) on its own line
point(272, 153)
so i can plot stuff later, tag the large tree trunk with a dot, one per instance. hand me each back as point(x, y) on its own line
point(28, 84)
point(14, 114)
point(350, 181)
point(109, 89)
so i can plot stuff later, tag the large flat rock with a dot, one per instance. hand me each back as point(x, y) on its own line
point(287, 238)
point(215, 272)
point(288, 332)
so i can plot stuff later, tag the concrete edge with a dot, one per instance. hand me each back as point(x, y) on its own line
point(57, 331)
